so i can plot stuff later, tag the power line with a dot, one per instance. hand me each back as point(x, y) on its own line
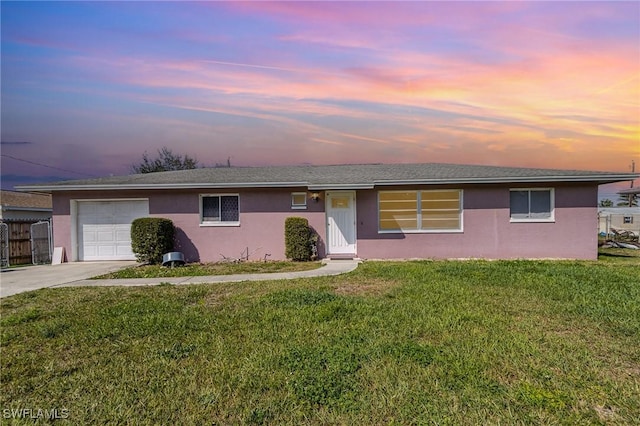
point(44, 165)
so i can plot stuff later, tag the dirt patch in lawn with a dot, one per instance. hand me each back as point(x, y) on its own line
point(216, 299)
point(606, 413)
point(371, 287)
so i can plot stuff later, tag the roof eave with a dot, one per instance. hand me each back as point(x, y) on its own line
point(339, 186)
point(599, 179)
point(30, 209)
point(630, 191)
point(113, 187)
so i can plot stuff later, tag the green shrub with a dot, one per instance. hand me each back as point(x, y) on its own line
point(151, 237)
point(297, 239)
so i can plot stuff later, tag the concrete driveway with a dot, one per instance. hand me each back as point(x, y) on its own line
point(27, 278)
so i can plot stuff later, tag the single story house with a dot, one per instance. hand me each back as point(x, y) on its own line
point(24, 207)
point(18, 212)
point(619, 219)
point(632, 193)
point(370, 211)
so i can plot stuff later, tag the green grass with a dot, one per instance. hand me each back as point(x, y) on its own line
point(618, 255)
point(206, 269)
point(506, 342)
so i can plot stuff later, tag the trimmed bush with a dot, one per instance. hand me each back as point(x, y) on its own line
point(297, 239)
point(151, 237)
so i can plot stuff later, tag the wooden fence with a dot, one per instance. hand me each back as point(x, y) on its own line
point(19, 242)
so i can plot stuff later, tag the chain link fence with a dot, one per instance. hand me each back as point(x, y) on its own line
point(4, 245)
point(41, 243)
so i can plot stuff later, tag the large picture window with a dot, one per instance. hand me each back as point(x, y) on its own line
point(219, 210)
point(420, 211)
point(531, 205)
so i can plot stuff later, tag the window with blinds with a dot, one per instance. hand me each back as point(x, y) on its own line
point(420, 211)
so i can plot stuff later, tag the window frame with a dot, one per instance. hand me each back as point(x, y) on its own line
point(418, 212)
point(218, 222)
point(295, 206)
point(552, 206)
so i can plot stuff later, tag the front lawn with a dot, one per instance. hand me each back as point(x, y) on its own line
point(206, 269)
point(619, 255)
point(505, 342)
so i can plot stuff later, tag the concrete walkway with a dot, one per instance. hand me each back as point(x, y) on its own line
point(20, 280)
point(332, 267)
point(34, 277)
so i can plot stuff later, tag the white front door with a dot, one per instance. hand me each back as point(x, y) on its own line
point(341, 222)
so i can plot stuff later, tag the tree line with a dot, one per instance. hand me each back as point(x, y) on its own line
point(166, 160)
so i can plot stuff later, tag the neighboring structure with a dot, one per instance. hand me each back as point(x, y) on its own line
point(374, 211)
point(633, 193)
point(18, 212)
point(619, 219)
point(21, 206)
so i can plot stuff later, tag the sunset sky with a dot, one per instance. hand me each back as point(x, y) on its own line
point(88, 87)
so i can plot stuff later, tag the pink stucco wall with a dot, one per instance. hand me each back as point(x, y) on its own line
point(261, 230)
point(61, 222)
point(262, 216)
point(488, 233)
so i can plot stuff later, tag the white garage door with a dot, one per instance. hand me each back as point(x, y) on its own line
point(104, 228)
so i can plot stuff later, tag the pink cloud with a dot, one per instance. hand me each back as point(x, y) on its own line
point(336, 12)
point(273, 86)
point(536, 74)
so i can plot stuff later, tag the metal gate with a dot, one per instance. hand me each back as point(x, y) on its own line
point(41, 243)
point(4, 245)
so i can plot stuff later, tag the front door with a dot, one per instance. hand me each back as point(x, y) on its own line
point(341, 222)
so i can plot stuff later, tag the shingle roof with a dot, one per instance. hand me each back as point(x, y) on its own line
point(619, 210)
point(25, 200)
point(630, 191)
point(334, 177)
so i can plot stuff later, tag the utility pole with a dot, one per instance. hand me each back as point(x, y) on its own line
point(633, 170)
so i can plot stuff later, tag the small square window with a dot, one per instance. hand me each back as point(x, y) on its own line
point(340, 202)
point(628, 219)
point(298, 200)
